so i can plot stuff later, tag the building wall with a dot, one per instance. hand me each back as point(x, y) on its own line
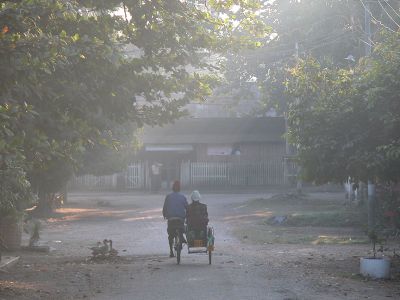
point(249, 153)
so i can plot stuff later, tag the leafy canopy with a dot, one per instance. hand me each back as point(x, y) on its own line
point(94, 71)
point(346, 122)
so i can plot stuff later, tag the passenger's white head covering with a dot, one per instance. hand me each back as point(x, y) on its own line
point(195, 196)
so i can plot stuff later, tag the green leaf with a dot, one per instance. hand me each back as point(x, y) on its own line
point(63, 34)
point(75, 37)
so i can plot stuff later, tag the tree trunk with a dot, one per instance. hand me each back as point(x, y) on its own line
point(64, 193)
point(45, 205)
point(299, 185)
point(10, 232)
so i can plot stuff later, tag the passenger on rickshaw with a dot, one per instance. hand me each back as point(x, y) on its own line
point(196, 219)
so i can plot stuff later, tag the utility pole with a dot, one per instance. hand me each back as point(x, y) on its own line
point(299, 184)
point(371, 205)
point(368, 51)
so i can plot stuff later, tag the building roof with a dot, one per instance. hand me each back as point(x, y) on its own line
point(217, 131)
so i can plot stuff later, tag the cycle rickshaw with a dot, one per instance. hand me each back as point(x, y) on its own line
point(197, 242)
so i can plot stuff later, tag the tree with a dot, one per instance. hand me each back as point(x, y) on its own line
point(101, 159)
point(327, 30)
point(345, 122)
point(15, 191)
point(86, 70)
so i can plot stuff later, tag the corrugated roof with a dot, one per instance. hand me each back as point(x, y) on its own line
point(217, 130)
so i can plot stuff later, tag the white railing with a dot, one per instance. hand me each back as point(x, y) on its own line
point(136, 176)
point(94, 182)
point(209, 173)
point(218, 174)
point(232, 174)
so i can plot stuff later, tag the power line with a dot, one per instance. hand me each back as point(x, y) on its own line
point(367, 28)
point(370, 41)
point(388, 14)
point(387, 2)
point(316, 42)
point(375, 19)
point(336, 37)
point(370, 44)
point(324, 44)
point(285, 56)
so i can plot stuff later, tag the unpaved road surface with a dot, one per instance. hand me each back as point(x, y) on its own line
point(143, 270)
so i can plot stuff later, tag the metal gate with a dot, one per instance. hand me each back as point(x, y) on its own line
point(232, 174)
point(137, 175)
point(92, 182)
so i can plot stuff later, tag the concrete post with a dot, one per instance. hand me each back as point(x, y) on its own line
point(371, 205)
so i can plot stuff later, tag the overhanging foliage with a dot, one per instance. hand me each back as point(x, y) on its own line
point(89, 68)
point(346, 122)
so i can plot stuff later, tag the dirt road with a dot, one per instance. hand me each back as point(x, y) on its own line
point(240, 269)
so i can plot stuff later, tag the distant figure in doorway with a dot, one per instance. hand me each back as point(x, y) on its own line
point(156, 176)
point(174, 210)
point(197, 219)
point(354, 189)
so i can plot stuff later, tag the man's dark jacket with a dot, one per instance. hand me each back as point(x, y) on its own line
point(175, 206)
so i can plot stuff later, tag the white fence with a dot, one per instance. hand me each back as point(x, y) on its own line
point(232, 174)
point(192, 174)
point(136, 176)
point(290, 170)
point(94, 182)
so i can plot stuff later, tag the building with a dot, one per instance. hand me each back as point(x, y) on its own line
point(217, 151)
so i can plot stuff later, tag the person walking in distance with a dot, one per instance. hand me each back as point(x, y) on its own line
point(156, 176)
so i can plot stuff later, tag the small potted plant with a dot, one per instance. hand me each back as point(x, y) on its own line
point(376, 267)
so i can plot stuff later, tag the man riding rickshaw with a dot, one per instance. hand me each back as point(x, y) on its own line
point(200, 237)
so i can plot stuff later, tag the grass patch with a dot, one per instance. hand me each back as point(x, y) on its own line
point(338, 240)
point(303, 219)
point(325, 219)
point(291, 235)
point(312, 210)
point(272, 236)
